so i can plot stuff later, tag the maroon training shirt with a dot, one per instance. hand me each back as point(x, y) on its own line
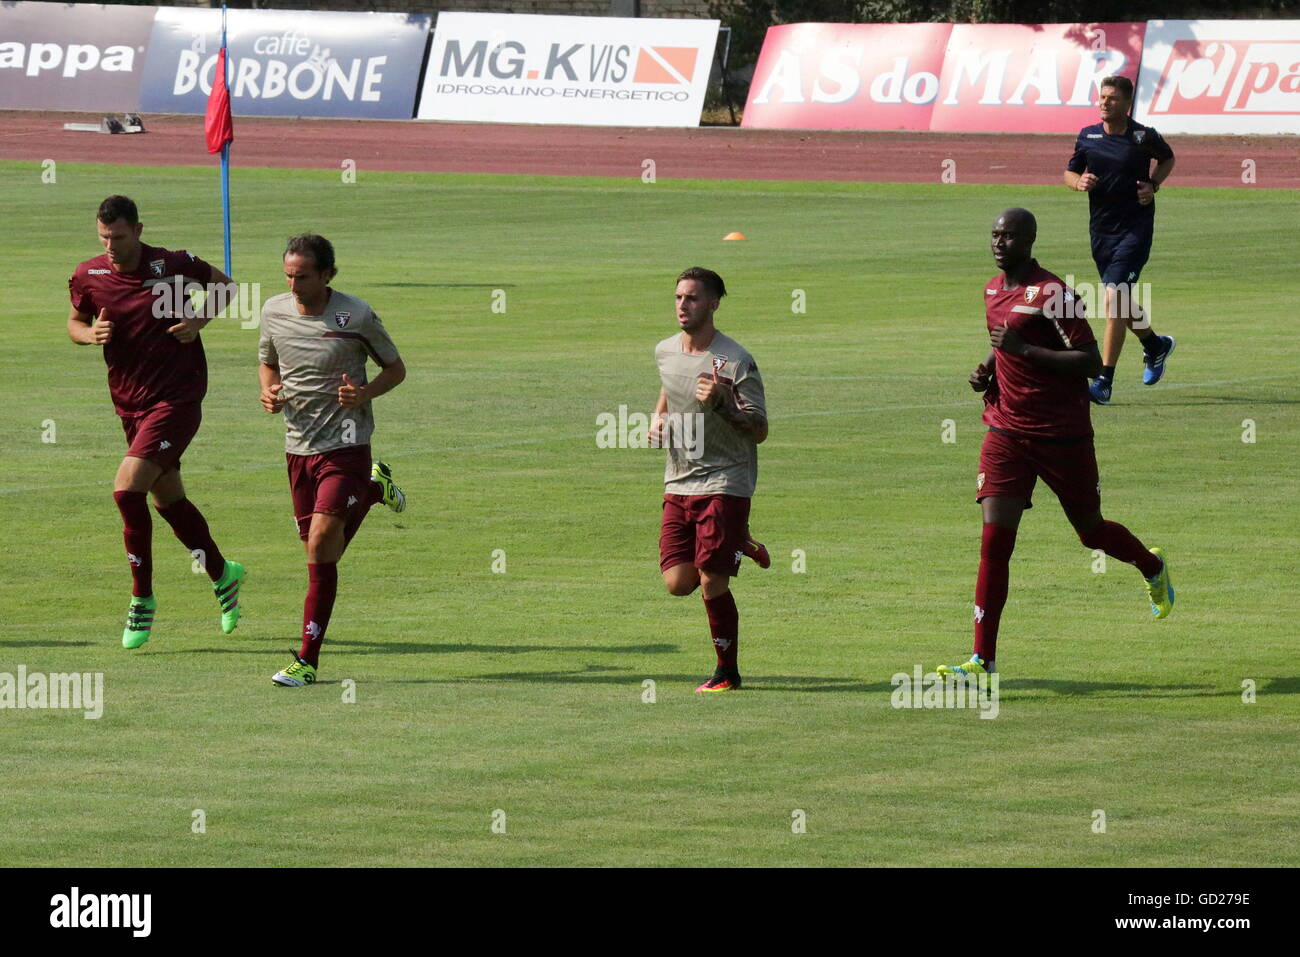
point(1027, 399)
point(146, 365)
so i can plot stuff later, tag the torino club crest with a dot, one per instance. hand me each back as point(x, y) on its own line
point(341, 319)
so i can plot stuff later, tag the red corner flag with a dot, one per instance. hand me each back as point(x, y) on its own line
point(217, 124)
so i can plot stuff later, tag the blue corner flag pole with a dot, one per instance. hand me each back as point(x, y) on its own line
point(225, 153)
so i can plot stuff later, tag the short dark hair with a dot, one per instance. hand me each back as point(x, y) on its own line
point(317, 247)
point(118, 207)
point(712, 281)
point(1121, 83)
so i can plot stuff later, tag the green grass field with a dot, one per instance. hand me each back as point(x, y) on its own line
point(522, 692)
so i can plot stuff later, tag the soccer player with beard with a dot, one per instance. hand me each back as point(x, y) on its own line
point(712, 467)
point(1112, 164)
point(1035, 385)
point(313, 349)
point(157, 377)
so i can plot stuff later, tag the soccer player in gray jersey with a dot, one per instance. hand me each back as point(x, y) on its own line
point(314, 345)
point(711, 416)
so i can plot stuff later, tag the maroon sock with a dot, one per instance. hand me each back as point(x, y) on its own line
point(322, 586)
point(996, 546)
point(137, 533)
point(724, 624)
point(1118, 542)
point(192, 529)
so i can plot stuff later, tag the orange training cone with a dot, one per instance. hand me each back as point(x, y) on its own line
point(731, 236)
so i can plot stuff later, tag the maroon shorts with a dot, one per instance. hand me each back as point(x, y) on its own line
point(1010, 465)
point(163, 433)
point(707, 531)
point(332, 483)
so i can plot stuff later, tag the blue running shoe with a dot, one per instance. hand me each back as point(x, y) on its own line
point(1155, 367)
point(1099, 391)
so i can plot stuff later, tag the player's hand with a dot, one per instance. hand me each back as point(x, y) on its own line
point(352, 395)
point(979, 379)
point(1007, 339)
point(657, 431)
point(1146, 194)
point(709, 391)
point(187, 330)
point(271, 398)
point(1086, 182)
point(102, 330)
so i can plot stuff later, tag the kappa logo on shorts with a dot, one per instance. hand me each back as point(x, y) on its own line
point(164, 445)
point(979, 482)
point(352, 500)
point(341, 319)
point(157, 266)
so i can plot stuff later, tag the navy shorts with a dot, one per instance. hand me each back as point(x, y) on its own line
point(1121, 256)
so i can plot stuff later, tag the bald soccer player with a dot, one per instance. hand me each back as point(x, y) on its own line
point(711, 416)
point(1035, 385)
point(314, 345)
point(157, 377)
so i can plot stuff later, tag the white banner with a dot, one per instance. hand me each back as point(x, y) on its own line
point(1220, 76)
point(590, 71)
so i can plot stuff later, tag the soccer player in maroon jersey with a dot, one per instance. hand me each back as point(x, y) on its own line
point(157, 377)
point(1035, 385)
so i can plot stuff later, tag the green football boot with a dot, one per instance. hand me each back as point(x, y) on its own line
point(139, 621)
point(227, 592)
point(380, 472)
point(1159, 589)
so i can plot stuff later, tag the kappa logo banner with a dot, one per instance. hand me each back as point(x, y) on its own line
point(287, 62)
point(932, 76)
point(1221, 76)
point(63, 56)
point(591, 71)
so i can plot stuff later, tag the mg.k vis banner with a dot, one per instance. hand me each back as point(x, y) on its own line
point(1221, 76)
point(287, 62)
point(594, 71)
point(1038, 78)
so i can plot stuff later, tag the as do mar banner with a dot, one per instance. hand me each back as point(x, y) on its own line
point(592, 71)
point(287, 62)
point(936, 76)
point(1221, 76)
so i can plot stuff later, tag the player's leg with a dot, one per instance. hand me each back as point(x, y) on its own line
point(191, 528)
point(1004, 489)
point(1071, 472)
point(677, 547)
point(325, 544)
point(722, 523)
point(130, 487)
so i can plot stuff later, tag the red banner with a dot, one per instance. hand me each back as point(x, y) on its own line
point(936, 76)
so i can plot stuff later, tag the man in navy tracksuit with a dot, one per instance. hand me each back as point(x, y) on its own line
point(1112, 164)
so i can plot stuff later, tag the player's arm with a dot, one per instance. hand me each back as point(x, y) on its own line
point(747, 418)
point(272, 388)
point(657, 421)
point(1085, 361)
point(390, 377)
point(188, 329)
point(1081, 182)
point(85, 330)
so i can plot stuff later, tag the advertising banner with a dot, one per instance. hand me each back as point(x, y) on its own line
point(1042, 78)
point(593, 71)
point(72, 56)
point(1221, 76)
point(847, 76)
point(287, 62)
point(935, 76)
